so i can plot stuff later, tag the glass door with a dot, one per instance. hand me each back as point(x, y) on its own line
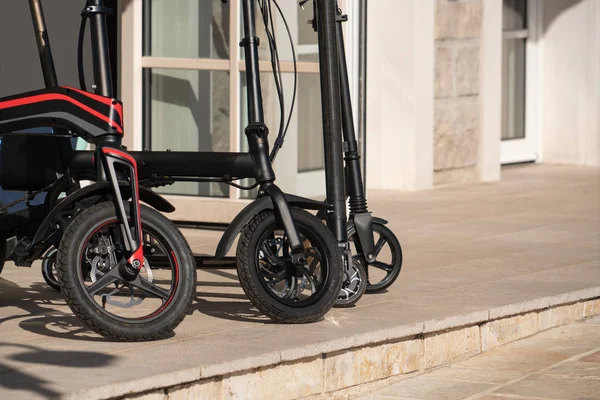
point(519, 139)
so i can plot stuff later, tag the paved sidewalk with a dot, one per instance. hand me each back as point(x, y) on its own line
point(470, 253)
point(562, 363)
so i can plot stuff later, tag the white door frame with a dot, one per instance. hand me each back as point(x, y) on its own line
point(528, 149)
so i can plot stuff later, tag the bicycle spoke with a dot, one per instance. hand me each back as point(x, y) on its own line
point(313, 265)
point(270, 257)
point(382, 266)
point(293, 290)
point(150, 288)
point(311, 280)
point(278, 277)
point(108, 278)
point(379, 245)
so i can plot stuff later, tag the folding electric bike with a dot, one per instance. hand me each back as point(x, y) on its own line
point(124, 269)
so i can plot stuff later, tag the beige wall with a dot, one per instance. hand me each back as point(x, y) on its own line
point(570, 89)
point(457, 115)
point(433, 93)
point(400, 65)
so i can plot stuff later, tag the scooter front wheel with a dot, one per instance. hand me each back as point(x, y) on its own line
point(117, 306)
point(384, 271)
point(286, 292)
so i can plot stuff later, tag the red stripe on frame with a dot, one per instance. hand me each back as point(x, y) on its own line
point(139, 252)
point(101, 99)
point(48, 97)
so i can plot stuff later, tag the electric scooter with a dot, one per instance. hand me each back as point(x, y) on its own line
point(106, 241)
point(374, 260)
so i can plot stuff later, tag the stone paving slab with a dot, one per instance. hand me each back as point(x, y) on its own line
point(562, 363)
point(524, 244)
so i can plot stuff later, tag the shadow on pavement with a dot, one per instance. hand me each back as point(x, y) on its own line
point(238, 309)
point(41, 314)
point(230, 310)
point(19, 380)
point(44, 310)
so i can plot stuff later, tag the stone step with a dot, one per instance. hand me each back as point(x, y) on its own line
point(329, 367)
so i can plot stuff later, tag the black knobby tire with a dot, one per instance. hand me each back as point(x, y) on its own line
point(72, 276)
point(248, 265)
point(394, 264)
point(49, 269)
point(354, 285)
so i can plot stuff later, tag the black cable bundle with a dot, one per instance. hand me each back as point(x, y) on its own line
point(267, 15)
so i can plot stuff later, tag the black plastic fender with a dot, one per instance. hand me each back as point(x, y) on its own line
point(350, 224)
point(376, 220)
point(258, 205)
point(146, 195)
point(362, 224)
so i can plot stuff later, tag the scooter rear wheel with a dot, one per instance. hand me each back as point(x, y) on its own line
point(354, 286)
point(147, 308)
point(285, 292)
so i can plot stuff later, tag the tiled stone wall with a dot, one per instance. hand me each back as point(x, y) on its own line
point(457, 115)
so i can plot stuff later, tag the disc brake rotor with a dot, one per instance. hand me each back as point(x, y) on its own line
point(102, 264)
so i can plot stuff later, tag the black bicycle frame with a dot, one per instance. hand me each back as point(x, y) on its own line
point(257, 132)
point(98, 118)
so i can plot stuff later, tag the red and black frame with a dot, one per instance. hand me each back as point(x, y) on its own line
point(98, 118)
point(95, 117)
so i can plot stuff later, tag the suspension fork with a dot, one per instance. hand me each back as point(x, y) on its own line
point(117, 164)
point(112, 161)
point(359, 212)
point(257, 133)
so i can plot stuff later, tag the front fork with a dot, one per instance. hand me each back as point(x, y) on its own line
point(114, 164)
point(259, 149)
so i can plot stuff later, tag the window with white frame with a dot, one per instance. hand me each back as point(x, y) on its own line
point(515, 34)
point(194, 87)
point(520, 139)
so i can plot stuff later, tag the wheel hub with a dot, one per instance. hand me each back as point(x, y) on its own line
point(105, 260)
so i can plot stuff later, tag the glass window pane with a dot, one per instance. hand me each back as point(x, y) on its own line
point(186, 29)
point(310, 127)
point(514, 15)
point(304, 37)
point(271, 113)
point(306, 122)
point(188, 110)
point(309, 57)
point(306, 33)
point(513, 89)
